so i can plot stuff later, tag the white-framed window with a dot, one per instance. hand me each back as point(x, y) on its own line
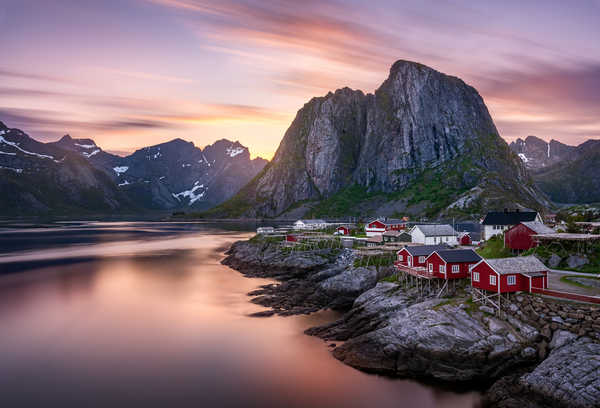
point(442, 268)
point(493, 280)
point(475, 276)
point(430, 268)
point(401, 257)
point(455, 268)
point(511, 279)
point(421, 259)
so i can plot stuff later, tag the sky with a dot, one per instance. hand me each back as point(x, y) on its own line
point(133, 73)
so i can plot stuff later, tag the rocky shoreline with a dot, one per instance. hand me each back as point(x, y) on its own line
point(526, 360)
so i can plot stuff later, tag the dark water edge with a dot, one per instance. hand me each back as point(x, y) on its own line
point(144, 314)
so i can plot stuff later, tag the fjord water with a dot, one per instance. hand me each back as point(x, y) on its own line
point(143, 314)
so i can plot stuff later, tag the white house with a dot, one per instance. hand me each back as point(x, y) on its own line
point(434, 234)
point(496, 222)
point(310, 224)
point(265, 230)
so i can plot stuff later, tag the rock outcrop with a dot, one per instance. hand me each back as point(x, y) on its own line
point(419, 123)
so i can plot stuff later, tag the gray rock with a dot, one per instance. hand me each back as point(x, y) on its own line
point(351, 281)
point(557, 319)
point(575, 261)
point(444, 343)
point(529, 352)
point(487, 309)
point(560, 338)
point(497, 326)
point(554, 261)
point(570, 375)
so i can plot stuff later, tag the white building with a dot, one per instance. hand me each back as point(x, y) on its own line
point(434, 234)
point(310, 224)
point(496, 222)
point(265, 230)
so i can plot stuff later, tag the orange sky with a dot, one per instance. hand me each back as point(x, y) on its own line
point(132, 73)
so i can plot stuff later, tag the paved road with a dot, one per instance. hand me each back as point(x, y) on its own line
point(554, 283)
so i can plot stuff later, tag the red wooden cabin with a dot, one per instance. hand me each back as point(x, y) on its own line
point(451, 263)
point(507, 275)
point(519, 237)
point(380, 226)
point(464, 238)
point(415, 256)
point(291, 238)
point(345, 230)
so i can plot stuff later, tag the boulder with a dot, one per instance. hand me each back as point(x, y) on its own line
point(575, 261)
point(570, 375)
point(560, 338)
point(554, 260)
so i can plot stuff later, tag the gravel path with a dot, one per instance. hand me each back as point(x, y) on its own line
point(554, 283)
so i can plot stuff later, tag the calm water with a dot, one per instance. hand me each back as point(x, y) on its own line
point(122, 314)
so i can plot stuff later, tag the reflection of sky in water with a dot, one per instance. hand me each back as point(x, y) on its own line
point(169, 331)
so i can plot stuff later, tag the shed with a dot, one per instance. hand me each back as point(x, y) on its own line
point(381, 225)
point(346, 229)
point(464, 238)
point(520, 236)
point(396, 236)
point(507, 275)
point(431, 234)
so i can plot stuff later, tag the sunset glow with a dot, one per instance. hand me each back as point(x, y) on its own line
point(132, 73)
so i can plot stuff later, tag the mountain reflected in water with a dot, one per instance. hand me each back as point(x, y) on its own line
point(144, 314)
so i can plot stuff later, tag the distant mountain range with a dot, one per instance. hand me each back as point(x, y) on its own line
point(76, 175)
point(423, 144)
point(567, 174)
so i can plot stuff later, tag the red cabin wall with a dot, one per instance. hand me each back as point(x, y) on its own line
point(522, 283)
point(343, 230)
point(465, 240)
point(519, 238)
point(376, 224)
point(540, 282)
point(395, 227)
point(435, 260)
point(403, 253)
point(463, 270)
point(484, 277)
point(291, 238)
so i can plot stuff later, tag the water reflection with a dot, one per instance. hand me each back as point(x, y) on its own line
point(160, 322)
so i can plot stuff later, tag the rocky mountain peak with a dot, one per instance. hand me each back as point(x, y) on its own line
point(419, 120)
point(3, 126)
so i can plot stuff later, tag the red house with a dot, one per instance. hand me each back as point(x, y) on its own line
point(381, 225)
point(519, 237)
point(451, 263)
point(345, 229)
point(506, 275)
point(415, 256)
point(464, 238)
point(291, 238)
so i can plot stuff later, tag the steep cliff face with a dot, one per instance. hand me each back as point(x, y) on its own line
point(419, 125)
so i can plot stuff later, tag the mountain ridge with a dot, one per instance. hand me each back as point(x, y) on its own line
point(420, 124)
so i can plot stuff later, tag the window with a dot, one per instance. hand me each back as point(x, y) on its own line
point(493, 280)
point(401, 257)
point(455, 268)
point(442, 268)
point(430, 268)
point(421, 259)
point(475, 276)
point(511, 280)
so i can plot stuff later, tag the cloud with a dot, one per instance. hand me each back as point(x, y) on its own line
point(146, 75)
point(7, 73)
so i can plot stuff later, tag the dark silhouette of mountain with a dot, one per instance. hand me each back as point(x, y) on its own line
point(77, 175)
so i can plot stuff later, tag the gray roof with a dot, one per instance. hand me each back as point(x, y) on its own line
point(538, 227)
point(436, 230)
point(425, 250)
point(520, 264)
point(459, 255)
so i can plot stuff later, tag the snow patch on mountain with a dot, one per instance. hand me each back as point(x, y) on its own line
point(191, 194)
point(88, 155)
point(86, 146)
point(234, 151)
point(120, 169)
point(16, 146)
point(8, 153)
point(124, 183)
point(523, 157)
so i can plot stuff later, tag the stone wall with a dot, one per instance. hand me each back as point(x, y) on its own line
point(550, 316)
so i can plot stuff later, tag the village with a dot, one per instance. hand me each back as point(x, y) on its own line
point(512, 251)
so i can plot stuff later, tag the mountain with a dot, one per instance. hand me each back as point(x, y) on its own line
point(423, 143)
point(76, 175)
point(177, 174)
point(566, 174)
point(575, 181)
point(38, 178)
point(537, 153)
